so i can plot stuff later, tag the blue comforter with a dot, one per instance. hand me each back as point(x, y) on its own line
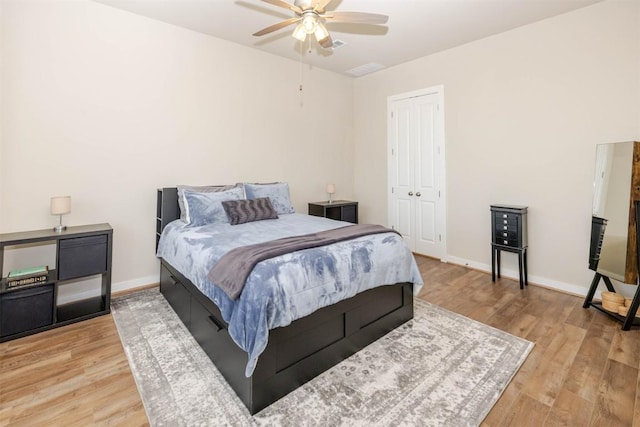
point(283, 289)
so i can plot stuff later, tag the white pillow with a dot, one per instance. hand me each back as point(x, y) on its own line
point(277, 192)
point(200, 189)
point(206, 208)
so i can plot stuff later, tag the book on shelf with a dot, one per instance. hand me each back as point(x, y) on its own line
point(25, 273)
point(25, 281)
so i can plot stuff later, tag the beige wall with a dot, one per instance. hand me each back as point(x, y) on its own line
point(523, 112)
point(2, 37)
point(107, 106)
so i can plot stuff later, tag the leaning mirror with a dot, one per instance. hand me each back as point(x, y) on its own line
point(613, 245)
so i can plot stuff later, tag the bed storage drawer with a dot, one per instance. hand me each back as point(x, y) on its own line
point(208, 328)
point(176, 294)
point(310, 341)
point(387, 299)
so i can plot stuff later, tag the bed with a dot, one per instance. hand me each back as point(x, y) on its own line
point(293, 352)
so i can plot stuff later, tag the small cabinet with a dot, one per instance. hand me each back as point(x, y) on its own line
point(81, 252)
point(509, 226)
point(340, 210)
point(509, 233)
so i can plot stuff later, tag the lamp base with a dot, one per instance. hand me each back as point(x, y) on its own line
point(59, 228)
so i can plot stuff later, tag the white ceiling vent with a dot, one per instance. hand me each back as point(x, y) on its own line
point(365, 69)
point(337, 43)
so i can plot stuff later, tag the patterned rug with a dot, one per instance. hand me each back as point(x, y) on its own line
point(439, 369)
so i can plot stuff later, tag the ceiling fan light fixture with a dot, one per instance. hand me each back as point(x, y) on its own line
point(310, 16)
point(321, 32)
point(299, 33)
point(310, 23)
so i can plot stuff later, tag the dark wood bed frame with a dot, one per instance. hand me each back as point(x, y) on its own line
point(296, 353)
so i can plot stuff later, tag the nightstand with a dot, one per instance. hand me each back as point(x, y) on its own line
point(341, 210)
point(509, 233)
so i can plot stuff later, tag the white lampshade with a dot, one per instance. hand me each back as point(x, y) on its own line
point(60, 205)
point(331, 188)
point(321, 32)
point(299, 33)
point(309, 23)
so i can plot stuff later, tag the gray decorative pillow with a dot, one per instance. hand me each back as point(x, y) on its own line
point(200, 189)
point(206, 208)
point(241, 211)
point(277, 192)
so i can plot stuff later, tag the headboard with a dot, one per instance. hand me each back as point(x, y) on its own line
point(167, 209)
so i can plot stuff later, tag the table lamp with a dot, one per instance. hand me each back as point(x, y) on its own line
point(60, 205)
point(331, 190)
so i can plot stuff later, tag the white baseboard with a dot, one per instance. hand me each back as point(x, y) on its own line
point(569, 288)
point(135, 283)
point(90, 290)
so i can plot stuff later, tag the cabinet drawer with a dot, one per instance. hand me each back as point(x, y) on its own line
point(509, 222)
point(506, 234)
point(508, 242)
point(506, 227)
point(82, 256)
point(26, 309)
point(507, 215)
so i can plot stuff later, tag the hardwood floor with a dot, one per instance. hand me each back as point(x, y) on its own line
point(582, 371)
point(76, 375)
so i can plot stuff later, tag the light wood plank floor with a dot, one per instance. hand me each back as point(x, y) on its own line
point(583, 370)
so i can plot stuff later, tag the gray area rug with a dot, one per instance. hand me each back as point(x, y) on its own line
point(439, 369)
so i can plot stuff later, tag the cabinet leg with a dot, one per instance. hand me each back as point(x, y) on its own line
point(524, 261)
point(493, 264)
point(520, 272)
point(498, 261)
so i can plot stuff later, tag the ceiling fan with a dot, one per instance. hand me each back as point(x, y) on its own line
point(311, 16)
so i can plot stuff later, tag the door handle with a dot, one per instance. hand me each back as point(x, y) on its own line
point(411, 193)
point(418, 194)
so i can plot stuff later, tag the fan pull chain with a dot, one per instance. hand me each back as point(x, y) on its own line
point(302, 69)
point(301, 76)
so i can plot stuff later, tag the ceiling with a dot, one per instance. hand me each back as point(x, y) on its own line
point(415, 28)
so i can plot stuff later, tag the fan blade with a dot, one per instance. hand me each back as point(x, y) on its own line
point(356, 17)
point(277, 26)
point(320, 5)
point(282, 3)
point(326, 42)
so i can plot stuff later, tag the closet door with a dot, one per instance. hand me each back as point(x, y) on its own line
point(425, 172)
point(413, 171)
point(402, 172)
